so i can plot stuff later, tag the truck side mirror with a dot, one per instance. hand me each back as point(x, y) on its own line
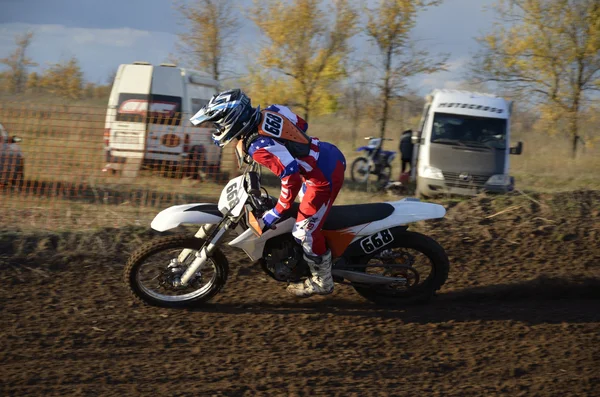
point(415, 138)
point(517, 149)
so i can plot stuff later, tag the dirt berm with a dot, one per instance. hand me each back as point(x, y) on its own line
point(519, 315)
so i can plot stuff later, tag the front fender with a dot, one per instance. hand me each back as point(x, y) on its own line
point(195, 214)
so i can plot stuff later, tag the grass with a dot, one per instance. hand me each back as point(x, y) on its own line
point(51, 214)
point(63, 146)
point(546, 164)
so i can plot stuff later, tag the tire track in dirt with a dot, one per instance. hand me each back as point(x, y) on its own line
point(518, 316)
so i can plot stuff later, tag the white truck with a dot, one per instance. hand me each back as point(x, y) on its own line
point(147, 120)
point(463, 144)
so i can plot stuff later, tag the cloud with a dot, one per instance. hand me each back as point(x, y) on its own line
point(101, 44)
point(65, 36)
point(452, 78)
point(99, 51)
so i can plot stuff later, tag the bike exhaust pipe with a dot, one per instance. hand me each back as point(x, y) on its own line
point(359, 277)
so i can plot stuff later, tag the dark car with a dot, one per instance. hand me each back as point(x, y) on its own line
point(12, 162)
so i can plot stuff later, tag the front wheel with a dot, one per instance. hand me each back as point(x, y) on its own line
point(151, 270)
point(414, 257)
point(360, 170)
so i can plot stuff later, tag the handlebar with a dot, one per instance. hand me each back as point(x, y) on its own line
point(253, 184)
point(373, 137)
point(253, 188)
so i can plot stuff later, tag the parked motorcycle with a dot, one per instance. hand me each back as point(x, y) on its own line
point(376, 162)
point(372, 249)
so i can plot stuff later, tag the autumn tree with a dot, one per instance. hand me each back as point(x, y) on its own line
point(64, 79)
point(265, 87)
point(306, 47)
point(33, 82)
point(547, 51)
point(89, 90)
point(389, 26)
point(18, 62)
point(209, 42)
point(102, 91)
point(4, 82)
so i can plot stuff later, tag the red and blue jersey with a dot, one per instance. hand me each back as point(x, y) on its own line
point(269, 150)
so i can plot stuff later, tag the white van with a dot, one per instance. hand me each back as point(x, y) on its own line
point(462, 145)
point(148, 118)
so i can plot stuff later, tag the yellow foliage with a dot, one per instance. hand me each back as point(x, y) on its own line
point(33, 82)
point(18, 62)
point(64, 79)
point(305, 53)
point(550, 54)
point(264, 89)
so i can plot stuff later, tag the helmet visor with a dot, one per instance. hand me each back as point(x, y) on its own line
point(200, 117)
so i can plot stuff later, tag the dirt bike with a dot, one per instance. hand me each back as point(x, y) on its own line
point(376, 162)
point(372, 249)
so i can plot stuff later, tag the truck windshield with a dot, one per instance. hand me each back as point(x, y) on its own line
point(469, 131)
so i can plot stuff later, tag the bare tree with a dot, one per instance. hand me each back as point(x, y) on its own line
point(18, 63)
point(389, 27)
point(110, 78)
point(356, 97)
point(209, 41)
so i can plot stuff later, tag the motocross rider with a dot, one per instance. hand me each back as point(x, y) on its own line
point(313, 170)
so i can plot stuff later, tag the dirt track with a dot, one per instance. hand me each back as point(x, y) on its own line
point(519, 315)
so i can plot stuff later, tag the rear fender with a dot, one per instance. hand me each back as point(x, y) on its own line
point(195, 214)
point(407, 210)
point(381, 233)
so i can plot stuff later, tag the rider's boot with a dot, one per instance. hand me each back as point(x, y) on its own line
point(320, 282)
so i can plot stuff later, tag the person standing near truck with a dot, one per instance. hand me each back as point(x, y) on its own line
point(406, 149)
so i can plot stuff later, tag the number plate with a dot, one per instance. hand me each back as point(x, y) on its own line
point(272, 124)
point(376, 241)
point(233, 196)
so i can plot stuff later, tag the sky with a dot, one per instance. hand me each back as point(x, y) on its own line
point(105, 33)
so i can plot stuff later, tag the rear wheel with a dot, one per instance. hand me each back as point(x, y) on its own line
point(384, 176)
point(414, 257)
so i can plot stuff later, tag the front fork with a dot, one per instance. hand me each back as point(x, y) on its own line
point(203, 254)
point(201, 233)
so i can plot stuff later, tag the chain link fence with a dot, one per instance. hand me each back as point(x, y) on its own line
point(66, 166)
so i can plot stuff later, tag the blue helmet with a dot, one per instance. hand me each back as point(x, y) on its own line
point(232, 114)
